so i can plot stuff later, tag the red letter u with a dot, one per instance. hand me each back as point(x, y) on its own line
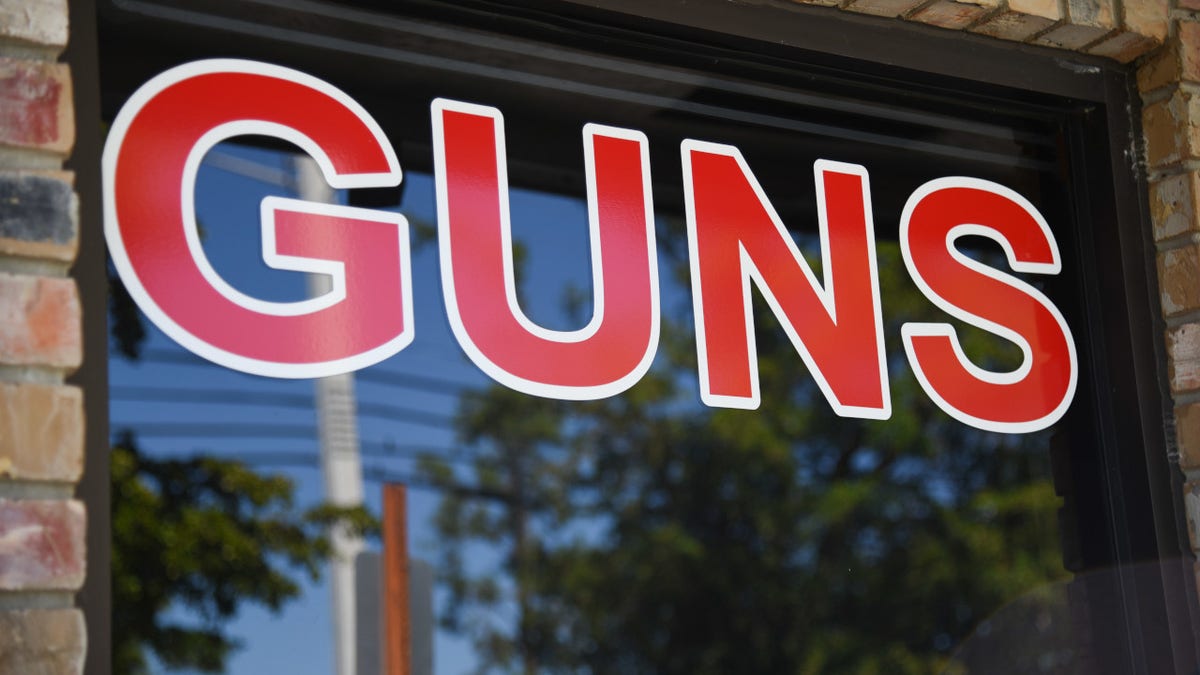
point(615, 349)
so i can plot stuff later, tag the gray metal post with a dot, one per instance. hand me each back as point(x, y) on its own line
point(337, 425)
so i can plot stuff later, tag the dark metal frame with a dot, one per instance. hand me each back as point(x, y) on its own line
point(1133, 475)
point(95, 598)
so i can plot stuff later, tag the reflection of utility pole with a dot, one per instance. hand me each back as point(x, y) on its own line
point(522, 555)
point(397, 619)
point(336, 414)
point(395, 599)
point(340, 462)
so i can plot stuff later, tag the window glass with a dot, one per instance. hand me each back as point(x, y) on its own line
point(644, 531)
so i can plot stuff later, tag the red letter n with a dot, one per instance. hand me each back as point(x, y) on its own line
point(735, 236)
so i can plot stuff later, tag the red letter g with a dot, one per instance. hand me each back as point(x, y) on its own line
point(150, 162)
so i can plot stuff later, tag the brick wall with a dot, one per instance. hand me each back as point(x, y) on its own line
point(41, 420)
point(1112, 29)
point(1169, 80)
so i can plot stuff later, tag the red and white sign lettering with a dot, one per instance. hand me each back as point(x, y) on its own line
point(615, 349)
point(736, 240)
point(736, 236)
point(150, 163)
point(1037, 393)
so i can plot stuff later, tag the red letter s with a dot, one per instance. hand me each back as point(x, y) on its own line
point(150, 162)
point(1037, 393)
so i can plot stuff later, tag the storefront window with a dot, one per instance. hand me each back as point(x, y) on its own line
point(878, 511)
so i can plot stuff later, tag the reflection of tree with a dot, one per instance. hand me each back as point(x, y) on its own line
point(195, 539)
point(646, 534)
point(205, 535)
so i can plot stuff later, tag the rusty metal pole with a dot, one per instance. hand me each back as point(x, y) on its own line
point(397, 632)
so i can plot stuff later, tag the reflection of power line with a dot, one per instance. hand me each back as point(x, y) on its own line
point(305, 458)
point(421, 382)
point(426, 383)
point(382, 411)
point(178, 358)
point(250, 169)
point(373, 450)
point(178, 395)
point(376, 449)
point(379, 475)
point(388, 449)
point(280, 458)
point(216, 430)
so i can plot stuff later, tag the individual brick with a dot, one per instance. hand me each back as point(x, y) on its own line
point(1160, 70)
point(953, 14)
point(1177, 61)
point(822, 3)
point(43, 641)
point(41, 432)
point(1124, 46)
point(886, 8)
point(1191, 508)
point(1160, 127)
point(1047, 9)
point(1179, 279)
point(40, 216)
point(1173, 205)
point(1188, 50)
point(39, 321)
point(1071, 36)
point(1013, 26)
point(39, 22)
point(1187, 429)
point(42, 545)
point(1171, 129)
point(1150, 18)
point(36, 109)
point(1094, 13)
point(1183, 350)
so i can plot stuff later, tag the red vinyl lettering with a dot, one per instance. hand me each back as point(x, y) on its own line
point(736, 241)
point(1037, 393)
point(736, 238)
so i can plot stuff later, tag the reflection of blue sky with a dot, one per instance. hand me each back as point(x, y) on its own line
point(553, 232)
point(299, 640)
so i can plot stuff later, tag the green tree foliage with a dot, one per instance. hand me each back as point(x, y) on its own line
point(647, 534)
point(194, 540)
